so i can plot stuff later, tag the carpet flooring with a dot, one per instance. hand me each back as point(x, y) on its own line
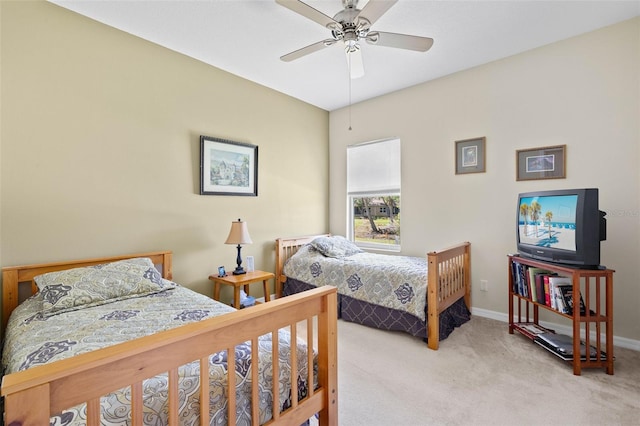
point(481, 375)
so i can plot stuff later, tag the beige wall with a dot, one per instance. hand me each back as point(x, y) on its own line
point(583, 92)
point(100, 149)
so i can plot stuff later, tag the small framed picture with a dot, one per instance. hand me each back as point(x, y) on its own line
point(228, 167)
point(470, 156)
point(250, 264)
point(221, 271)
point(541, 163)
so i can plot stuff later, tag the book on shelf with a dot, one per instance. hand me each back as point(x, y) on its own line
point(568, 300)
point(519, 279)
point(522, 280)
point(550, 287)
point(515, 276)
point(530, 329)
point(559, 304)
point(540, 287)
point(534, 276)
point(554, 282)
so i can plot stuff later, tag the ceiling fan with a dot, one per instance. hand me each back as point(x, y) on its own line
point(351, 26)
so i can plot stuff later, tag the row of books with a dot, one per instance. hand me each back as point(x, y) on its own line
point(545, 287)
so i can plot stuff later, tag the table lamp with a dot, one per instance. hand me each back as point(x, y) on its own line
point(239, 234)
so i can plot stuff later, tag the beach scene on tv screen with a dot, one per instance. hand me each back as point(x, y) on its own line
point(548, 221)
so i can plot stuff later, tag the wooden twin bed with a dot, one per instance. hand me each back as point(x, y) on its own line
point(444, 285)
point(167, 373)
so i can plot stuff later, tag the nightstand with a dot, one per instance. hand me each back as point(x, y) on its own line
point(243, 280)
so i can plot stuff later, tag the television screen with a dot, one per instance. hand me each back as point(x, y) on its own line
point(561, 226)
point(548, 221)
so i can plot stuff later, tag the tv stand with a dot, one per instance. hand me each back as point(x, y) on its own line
point(595, 286)
point(559, 263)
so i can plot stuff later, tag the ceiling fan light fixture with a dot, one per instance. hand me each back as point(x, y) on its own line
point(351, 46)
point(354, 61)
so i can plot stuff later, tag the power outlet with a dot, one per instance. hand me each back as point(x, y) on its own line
point(484, 285)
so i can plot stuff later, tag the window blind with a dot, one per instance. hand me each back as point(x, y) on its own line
point(373, 167)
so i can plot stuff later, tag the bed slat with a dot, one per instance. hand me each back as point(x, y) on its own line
point(275, 368)
point(136, 403)
point(294, 365)
point(93, 412)
point(173, 397)
point(204, 390)
point(255, 397)
point(231, 385)
point(310, 340)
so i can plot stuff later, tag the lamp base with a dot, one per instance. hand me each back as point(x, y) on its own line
point(239, 269)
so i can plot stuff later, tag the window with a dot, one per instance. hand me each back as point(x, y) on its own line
point(373, 194)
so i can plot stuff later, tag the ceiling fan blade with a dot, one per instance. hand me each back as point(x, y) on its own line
point(354, 61)
point(309, 12)
point(402, 41)
point(374, 9)
point(307, 50)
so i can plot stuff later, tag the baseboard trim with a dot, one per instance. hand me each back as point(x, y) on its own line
point(261, 299)
point(622, 342)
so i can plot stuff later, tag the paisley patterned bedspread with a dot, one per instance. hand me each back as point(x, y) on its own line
point(397, 282)
point(34, 339)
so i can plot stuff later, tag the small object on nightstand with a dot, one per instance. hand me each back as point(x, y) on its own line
point(221, 271)
point(245, 300)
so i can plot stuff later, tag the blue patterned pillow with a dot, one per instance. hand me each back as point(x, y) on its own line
point(79, 288)
point(335, 246)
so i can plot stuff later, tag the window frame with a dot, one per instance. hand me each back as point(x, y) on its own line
point(394, 189)
point(351, 222)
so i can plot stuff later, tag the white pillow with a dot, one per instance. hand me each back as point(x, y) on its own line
point(335, 246)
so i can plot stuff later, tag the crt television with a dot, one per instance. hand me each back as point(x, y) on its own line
point(563, 226)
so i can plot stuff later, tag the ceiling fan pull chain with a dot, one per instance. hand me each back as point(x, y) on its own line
point(349, 78)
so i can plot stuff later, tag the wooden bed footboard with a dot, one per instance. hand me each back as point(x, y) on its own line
point(449, 279)
point(449, 268)
point(34, 395)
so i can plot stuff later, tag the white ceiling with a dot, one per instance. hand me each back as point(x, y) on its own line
point(247, 38)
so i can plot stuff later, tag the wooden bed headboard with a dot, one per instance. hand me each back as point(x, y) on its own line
point(285, 248)
point(13, 276)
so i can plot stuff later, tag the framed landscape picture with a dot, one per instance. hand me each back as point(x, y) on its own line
point(470, 156)
point(228, 167)
point(541, 163)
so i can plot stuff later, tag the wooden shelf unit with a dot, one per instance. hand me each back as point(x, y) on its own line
point(596, 288)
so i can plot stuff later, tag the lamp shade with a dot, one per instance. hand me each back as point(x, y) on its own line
point(239, 233)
